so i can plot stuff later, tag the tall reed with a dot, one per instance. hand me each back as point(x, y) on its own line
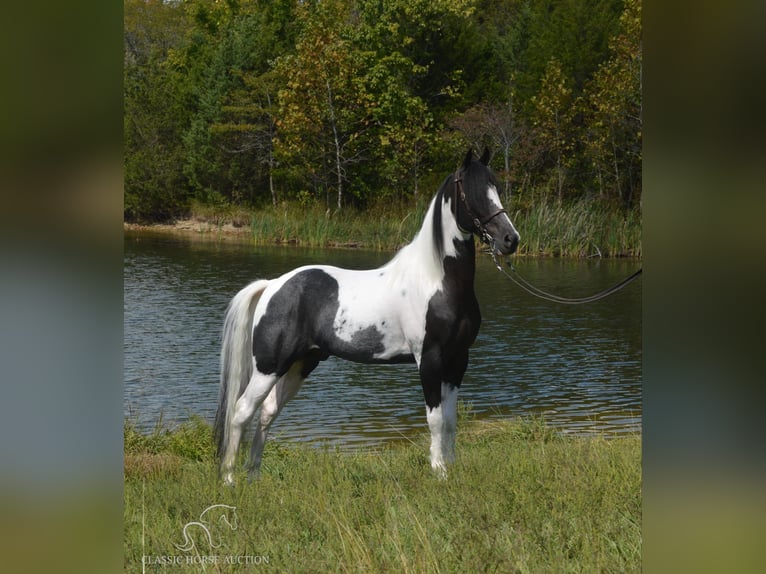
point(548, 228)
point(580, 229)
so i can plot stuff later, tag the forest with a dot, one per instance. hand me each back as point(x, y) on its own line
point(349, 104)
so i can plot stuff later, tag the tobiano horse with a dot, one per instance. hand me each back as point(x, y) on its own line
point(418, 308)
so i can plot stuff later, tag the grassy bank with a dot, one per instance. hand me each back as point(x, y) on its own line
point(519, 499)
point(582, 229)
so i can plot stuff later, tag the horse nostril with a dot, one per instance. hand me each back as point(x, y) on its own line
point(512, 241)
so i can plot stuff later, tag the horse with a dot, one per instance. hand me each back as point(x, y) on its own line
point(420, 308)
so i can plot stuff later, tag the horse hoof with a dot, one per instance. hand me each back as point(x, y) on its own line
point(440, 472)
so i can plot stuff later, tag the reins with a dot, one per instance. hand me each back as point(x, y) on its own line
point(485, 237)
point(537, 292)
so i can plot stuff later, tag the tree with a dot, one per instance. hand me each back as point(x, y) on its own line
point(324, 107)
point(553, 112)
point(154, 116)
point(246, 101)
point(492, 125)
point(614, 101)
point(244, 132)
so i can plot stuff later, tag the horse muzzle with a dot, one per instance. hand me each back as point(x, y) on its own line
point(509, 244)
point(505, 238)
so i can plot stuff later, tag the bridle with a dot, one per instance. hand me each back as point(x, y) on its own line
point(485, 237)
point(481, 230)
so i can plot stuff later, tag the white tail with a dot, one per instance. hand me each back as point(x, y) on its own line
point(236, 357)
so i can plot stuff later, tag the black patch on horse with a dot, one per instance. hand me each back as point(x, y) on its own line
point(452, 323)
point(298, 326)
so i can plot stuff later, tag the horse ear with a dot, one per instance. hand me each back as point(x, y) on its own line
point(468, 158)
point(485, 156)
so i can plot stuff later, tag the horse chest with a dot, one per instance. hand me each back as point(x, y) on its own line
point(452, 320)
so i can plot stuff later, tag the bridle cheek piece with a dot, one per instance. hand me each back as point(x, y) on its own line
point(481, 230)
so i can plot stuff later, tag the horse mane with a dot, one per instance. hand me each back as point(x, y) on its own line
point(437, 228)
point(427, 247)
point(428, 244)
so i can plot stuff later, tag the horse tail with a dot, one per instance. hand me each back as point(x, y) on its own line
point(236, 357)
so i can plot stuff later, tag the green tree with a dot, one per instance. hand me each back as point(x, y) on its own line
point(205, 70)
point(243, 132)
point(247, 101)
point(575, 33)
point(324, 108)
point(553, 112)
point(154, 116)
point(614, 100)
point(420, 57)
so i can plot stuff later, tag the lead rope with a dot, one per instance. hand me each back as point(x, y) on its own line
point(532, 290)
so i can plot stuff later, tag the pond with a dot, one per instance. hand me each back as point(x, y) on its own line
point(578, 365)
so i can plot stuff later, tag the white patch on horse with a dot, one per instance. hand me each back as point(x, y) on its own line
point(418, 261)
point(442, 422)
point(394, 298)
point(451, 231)
point(494, 200)
point(493, 197)
point(364, 302)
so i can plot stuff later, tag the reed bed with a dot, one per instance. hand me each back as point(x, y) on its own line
point(580, 229)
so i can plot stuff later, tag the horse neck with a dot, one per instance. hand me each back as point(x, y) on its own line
point(440, 251)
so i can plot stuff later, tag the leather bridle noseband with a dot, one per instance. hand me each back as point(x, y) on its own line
point(481, 230)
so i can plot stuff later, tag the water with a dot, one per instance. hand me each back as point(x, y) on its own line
point(578, 365)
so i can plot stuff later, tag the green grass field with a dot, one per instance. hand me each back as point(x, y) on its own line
point(520, 498)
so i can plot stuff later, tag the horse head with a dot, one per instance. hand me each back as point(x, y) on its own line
point(477, 207)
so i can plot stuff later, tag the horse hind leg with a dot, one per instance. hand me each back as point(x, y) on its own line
point(285, 389)
point(257, 390)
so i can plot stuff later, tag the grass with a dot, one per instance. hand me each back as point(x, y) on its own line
point(380, 227)
point(520, 498)
point(580, 229)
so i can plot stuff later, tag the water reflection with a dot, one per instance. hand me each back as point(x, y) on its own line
point(580, 365)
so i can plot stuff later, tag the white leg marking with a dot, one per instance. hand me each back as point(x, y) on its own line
point(287, 387)
point(449, 413)
point(257, 389)
point(435, 419)
point(442, 422)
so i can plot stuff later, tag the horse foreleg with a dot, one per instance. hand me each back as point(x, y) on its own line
point(283, 391)
point(435, 417)
point(440, 382)
point(442, 424)
point(257, 389)
point(449, 417)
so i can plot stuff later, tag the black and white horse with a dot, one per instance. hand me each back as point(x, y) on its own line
point(418, 308)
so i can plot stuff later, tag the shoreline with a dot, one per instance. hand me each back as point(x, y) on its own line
point(386, 237)
point(207, 231)
point(190, 226)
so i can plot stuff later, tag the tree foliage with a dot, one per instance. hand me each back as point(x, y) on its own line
point(250, 102)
